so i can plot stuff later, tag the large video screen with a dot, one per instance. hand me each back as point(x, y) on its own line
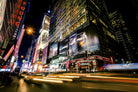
point(53, 49)
point(81, 42)
point(44, 56)
point(73, 44)
point(92, 41)
point(63, 49)
point(88, 40)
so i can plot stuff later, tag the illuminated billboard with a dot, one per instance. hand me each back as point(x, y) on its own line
point(44, 57)
point(9, 53)
point(92, 40)
point(63, 49)
point(88, 40)
point(81, 42)
point(73, 44)
point(53, 49)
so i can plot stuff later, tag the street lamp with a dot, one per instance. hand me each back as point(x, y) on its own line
point(30, 31)
point(22, 56)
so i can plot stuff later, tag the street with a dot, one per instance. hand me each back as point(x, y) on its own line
point(68, 46)
point(19, 85)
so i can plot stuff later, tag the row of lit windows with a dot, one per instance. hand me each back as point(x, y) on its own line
point(68, 15)
point(74, 26)
point(68, 12)
point(70, 28)
point(69, 21)
point(75, 23)
point(109, 33)
point(72, 12)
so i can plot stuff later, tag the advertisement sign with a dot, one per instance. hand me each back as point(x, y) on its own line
point(88, 40)
point(81, 42)
point(73, 44)
point(20, 9)
point(53, 49)
point(92, 41)
point(63, 49)
point(44, 57)
point(9, 53)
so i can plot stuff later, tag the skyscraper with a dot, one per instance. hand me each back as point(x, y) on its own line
point(124, 20)
point(81, 29)
point(41, 47)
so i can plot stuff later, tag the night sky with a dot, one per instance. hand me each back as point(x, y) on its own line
point(39, 7)
point(33, 19)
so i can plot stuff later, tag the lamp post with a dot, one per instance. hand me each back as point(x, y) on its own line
point(30, 31)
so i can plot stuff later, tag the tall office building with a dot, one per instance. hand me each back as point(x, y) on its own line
point(121, 32)
point(124, 20)
point(81, 29)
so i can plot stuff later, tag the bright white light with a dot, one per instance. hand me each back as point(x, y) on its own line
point(3, 70)
point(48, 11)
point(69, 76)
point(26, 66)
point(12, 60)
point(63, 79)
point(43, 80)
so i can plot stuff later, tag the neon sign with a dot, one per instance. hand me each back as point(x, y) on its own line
point(21, 12)
point(18, 15)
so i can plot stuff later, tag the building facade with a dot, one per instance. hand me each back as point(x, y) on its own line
point(11, 25)
point(81, 30)
point(123, 36)
point(41, 47)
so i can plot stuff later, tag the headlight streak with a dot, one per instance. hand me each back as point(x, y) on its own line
point(44, 80)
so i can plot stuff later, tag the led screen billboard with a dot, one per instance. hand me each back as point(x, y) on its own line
point(88, 40)
point(44, 57)
point(81, 42)
point(53, 49)
point(92, 41)
point(73, 44)
point(63, 48)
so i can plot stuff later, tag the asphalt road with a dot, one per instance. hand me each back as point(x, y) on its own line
point(19, 85)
